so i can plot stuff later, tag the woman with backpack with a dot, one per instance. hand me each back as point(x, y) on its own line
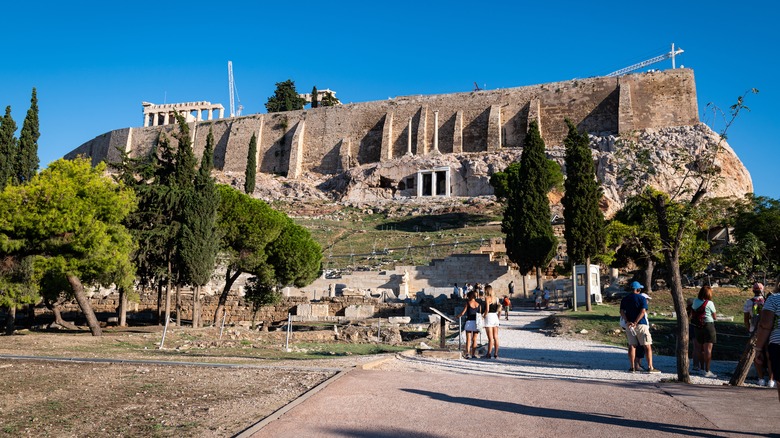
point(769, 333)
point(703, 317)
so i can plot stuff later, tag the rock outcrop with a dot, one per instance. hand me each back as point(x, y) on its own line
point(381, 182)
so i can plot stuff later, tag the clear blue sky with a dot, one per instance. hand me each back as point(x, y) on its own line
point(93, 63)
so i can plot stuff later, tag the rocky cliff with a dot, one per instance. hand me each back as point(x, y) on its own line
point(380, 183)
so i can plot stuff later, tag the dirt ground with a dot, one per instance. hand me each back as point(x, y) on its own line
point(94, 399)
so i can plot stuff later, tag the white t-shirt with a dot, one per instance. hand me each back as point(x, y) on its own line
point(773, 305)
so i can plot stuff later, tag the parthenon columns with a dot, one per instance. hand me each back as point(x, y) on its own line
point(156, 115)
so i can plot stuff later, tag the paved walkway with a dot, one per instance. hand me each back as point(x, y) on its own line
point(461, 398)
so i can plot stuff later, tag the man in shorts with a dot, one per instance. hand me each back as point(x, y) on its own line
point(633, 308)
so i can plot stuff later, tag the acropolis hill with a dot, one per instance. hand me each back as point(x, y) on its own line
point(415, 147)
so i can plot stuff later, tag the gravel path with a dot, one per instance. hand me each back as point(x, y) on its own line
point(527, 353)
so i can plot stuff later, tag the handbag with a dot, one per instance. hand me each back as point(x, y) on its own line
point(480, 321)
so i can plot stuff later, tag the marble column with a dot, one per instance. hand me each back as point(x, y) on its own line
point(166, 118)
point(211, 114)
point(221, 113)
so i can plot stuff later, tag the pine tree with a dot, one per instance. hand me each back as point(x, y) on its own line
point(329, 100)
point(8, 148)
point(285, 98)
point(530, 241)
point(584, 220)
point(314, 97)
point(27, 158)
point(251, 166)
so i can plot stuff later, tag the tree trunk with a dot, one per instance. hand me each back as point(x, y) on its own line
point(30, 316)
point(745, 361)
point(230, 279)
point(122, 307)
point(672, 254)
point(178, 305)
point(159, 303)
point(10, 321)
point(539, 278)
point(649, 267)
point(588, 304)
point(55, 308)
point(86, 308)
point(167, 303)
point(525, 288)
point(196, 306)
point(673, 264)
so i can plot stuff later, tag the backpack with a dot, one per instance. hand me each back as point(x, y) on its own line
point(698, 315)
point(507, 303)
point(758, 305)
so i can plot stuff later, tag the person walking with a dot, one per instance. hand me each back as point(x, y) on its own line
point(511, 288)
point(704, 311)
point(471, 310)
point(491, 311)
point(633, 308)
point(506, 304)
point(768, 335)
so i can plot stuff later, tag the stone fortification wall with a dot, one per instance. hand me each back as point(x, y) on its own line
point(329, 140)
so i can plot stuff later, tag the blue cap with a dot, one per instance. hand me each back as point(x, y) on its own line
point(637, 285)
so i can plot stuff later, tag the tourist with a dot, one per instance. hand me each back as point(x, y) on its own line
point(640, 352)
point(506, 304)
point(705, 333)
point(511, 288)
point(546, 298)
point(633, 308)
point(768, 336)
point(456, 292)
point(691, 331)
point(537, 299)
point(471, 310)
point(491, 311)
point(752, 312)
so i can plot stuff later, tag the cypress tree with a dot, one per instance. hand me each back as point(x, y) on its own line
point(314, 97)
point(8, 148)
point(251, 166)
point(27, 158)
point(584, 220)
point(530, 241)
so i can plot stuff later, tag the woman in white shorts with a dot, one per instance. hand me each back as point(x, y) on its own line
point(492, 310)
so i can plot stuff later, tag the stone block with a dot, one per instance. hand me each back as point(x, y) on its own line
point(361, 311)
point(399, 320)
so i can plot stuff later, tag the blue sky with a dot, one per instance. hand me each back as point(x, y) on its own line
point(93, 63)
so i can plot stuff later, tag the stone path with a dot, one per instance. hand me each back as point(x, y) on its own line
point(541, 386)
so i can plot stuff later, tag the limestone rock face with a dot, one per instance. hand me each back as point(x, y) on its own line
point(385, 182)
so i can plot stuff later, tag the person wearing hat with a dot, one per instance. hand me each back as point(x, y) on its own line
point(633, 308)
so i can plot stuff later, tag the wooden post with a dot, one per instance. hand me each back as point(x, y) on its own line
point(442, 332)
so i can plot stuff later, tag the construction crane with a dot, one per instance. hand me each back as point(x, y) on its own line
point(233, 93)
point(642, 64)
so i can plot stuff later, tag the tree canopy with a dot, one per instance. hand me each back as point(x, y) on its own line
point(8, 148)
point(500, 180)
point(69, 218)
point(27, 154)
point(285, 98)
point(530, 241)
